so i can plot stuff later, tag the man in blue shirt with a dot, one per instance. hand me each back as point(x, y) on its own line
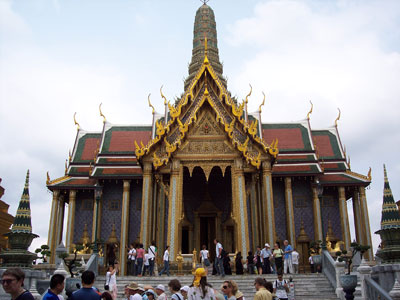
point(86, 292)
point(56, 287)
point(287, 263)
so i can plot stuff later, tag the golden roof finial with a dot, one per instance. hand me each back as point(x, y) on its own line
point(338, 117)
point(369, 174)
point(69, 155)
point(48, 178)
point(76, 123)
point(310, 112)
point(348, 162)
point(262, 104)
point(101, 113)
point(249, 94)
point(150, 105)
point(66, 167)
point(162, 96)
point(205, 50)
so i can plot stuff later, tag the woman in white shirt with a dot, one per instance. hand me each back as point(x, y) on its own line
point(166, 262)
point(111, 280)
point(204, 257)
point(200, 289)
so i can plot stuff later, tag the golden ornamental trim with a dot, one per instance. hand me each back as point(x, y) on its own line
point(360, 176)
point(57, 180)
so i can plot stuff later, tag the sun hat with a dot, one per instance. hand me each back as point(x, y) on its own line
point(150, 291)
point(160, 287)
point(136, 287)
point(185, 288)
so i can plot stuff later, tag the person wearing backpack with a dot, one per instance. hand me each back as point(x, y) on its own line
point(219, 257)
point(281, 288)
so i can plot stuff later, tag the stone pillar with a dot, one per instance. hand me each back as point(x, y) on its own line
point(52, 226)
point(146, 199)
point(240, 212)
point(96, 224)
point(344, 218)
point(267, 195)
point(317, 216)
point(339, 268)
point(365, 223)
point(161, 220)
point(60, 220)
point(291, 233)
point(175, 208)
point(357, 217)
point(254, 211)
point(71, 220)
point(124, 227)
point(365, 272)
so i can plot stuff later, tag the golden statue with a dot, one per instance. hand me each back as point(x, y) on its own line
point(194, 265)
point(85, 241)
point(179, 260)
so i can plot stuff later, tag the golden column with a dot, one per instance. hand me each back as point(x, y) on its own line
point(344, 218)
point(317, 215)
point(268, 199)
point(357, 217)
point(174, 208)
point(60, 220)
point(52, 226)
point(366, 229)
point(96, 224)
point(146, 197)
point(124, 227)
point(71, 220)
point(291, 233)
point(254, 211)
point(240, 211)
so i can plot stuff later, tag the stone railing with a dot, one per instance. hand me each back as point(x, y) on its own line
point(374, 291)
point(328, 267)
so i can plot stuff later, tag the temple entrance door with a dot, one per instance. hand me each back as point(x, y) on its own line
point(207, 234)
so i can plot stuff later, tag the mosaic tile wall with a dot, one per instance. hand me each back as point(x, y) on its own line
point(303, 206)
point(83, 214)
point(278, 186)
point(135, 209)
point(249, 224)
point(111, 208)
point(330, 211)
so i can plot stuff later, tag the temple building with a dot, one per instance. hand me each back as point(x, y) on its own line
point(6, 220)
point(207, 168)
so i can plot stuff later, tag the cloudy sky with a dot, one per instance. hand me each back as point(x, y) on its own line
point(58, 57)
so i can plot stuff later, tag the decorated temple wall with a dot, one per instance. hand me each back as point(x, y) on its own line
point(135, 209)
point(330, 211)
point(111, 208)
point(251, 243)
point(278, 186)
point(83, 214)
point(303, 206)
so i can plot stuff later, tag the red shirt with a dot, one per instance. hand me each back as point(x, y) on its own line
point(140, 253)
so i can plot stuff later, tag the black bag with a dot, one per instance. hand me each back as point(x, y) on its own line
point(106, 287)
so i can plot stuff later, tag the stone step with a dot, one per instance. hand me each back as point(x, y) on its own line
point(307, 286)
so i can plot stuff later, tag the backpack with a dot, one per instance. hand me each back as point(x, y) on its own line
point(223, 253)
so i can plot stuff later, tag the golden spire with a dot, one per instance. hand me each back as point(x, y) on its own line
point(150, 105)
point(69, 155)
point(369, 174)
point(101, 114)
point(76, 123)
point(162, 95)
point(47, 178)
point(310, 112)
point(66, 167)
point(338, 117)
point(262, 104)
point(249, 94)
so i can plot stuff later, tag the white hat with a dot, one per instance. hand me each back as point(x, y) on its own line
point(185, 288)
point(160, 287)
point(267, 245)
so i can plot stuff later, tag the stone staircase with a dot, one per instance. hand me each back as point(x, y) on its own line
point(307, 286)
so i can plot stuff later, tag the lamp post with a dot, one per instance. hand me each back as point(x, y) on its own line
point(98, 192)
point(320, 192)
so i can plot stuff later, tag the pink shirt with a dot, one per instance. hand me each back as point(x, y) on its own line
point(140, 253)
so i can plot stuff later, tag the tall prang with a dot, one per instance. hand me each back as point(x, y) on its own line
point(21, 236)
point(205, 27)
point(390, 226)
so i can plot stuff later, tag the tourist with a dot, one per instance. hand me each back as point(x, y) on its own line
point(111, 280)
point(229, 290)
point(262, 293)
point(250, 262)
point(204, 256)
point(200, 289)
point(12, 281)
point(152, 257)
point(238, 295)
point(184, 291)
point(146, 264)
point(132, 260)
point(175, 289)
point(226, 263)
point(258, 261)
point(166, 262)
point(134, 291)
point(139, 259)
point(56, 287)
point(126, 292)
point(295, 261)
point(151, 295)
point(281, 288)
point(278, 257)
point(238, 264)
point(265, 256)
point(160, 291)
point(106, 296)
point(311, 262)
point(288, 266)
point(86, 292)
point(219, 257)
